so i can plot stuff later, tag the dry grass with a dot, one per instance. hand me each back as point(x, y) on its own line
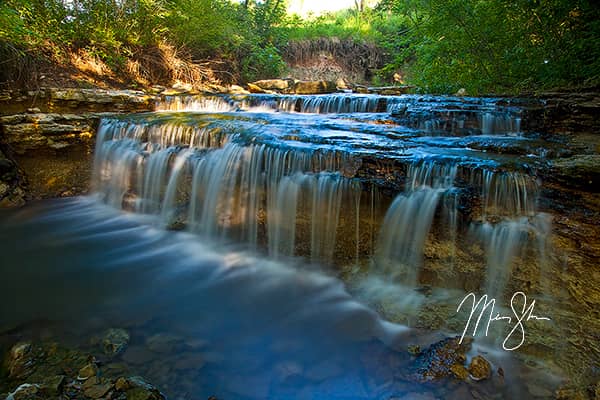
point(161, 64)
point(357, 60)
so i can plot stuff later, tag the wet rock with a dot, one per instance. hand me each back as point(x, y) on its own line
point(53, 385)
point(568, 393)
point(581, 171)
point(414, 349)
point(26, 391)
point(20, 361)
point(98, 391)
point(157, 89)
point(92, 381)
point(115, 341)
point(459, 372)
point(136, 388)
point(60, 372)
point(480, 368)
point(439, 359)
point(90, 370)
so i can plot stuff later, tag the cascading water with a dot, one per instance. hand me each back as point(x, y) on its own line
point(510, 225)
point(409, 218)
point(193, 176)
point(288, 200)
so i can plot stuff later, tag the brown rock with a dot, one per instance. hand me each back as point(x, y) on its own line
point(459, 371)
point(314, 87)
point(272, 84)
point(235, 89)
point(19, 362)
point(256, 89)
point(87, 372)
point(98, 391)
point(480, 368)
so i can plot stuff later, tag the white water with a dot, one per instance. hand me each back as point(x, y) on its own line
point(409, 219)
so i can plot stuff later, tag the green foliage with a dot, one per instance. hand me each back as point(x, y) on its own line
point(484, 46)
point(262, 63)
point(502, 46)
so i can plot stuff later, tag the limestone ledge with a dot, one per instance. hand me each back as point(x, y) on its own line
point(69, 99)
point(26, 132)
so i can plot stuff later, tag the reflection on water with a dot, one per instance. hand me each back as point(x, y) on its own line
point(241, 326)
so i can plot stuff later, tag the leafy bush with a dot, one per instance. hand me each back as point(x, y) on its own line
point(262, 63)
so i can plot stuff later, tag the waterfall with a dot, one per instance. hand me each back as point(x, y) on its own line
point(195, 176)
point(276, 184)
point(408, 220)
point(196, 103)
point(314, 104)
point(510, 225)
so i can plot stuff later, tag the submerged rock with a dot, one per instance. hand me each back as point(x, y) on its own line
point(48, 371)
point(136, 388)
point(20, 361)
point(98, 391)
point(89, 371)
point(115, 341)
point(26, 391)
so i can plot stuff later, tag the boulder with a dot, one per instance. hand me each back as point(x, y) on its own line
point(235, 89)
point(273, 84)
point(314, 87)
point(257, 89)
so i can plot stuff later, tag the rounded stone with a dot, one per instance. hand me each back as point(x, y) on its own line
point(480, 368)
